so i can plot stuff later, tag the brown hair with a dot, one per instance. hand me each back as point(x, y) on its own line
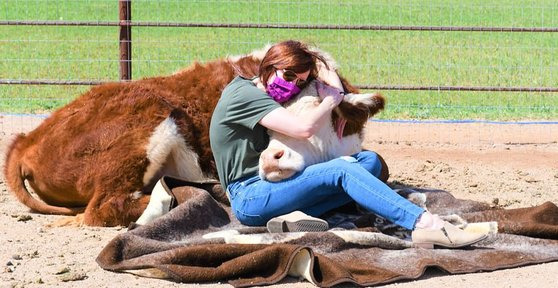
point(291, 55)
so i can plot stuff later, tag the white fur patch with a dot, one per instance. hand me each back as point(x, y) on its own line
point(364, 99)
point(256, 54)
point(327, 57)
point(265, 238)
point(161, 143)
point(159, 204)
point(482, 227)
point(349, 159)
point(167, 150)
point(136, 195)
point(371, 239)
point(186, 165)
point(260, 53)
point(221, 234)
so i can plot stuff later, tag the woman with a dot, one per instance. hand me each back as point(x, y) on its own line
point(238, 134)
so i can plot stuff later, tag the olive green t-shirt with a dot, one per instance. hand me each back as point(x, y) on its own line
point(236, 137)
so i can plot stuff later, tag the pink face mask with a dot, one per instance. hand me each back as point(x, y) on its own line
point(281, 90)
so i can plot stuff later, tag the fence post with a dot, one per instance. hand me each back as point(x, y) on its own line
point(125, 11)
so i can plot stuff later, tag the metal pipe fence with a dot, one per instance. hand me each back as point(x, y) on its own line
point(125, 24)
point(378, 73)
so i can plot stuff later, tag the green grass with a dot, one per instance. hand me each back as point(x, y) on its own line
point(414, 58)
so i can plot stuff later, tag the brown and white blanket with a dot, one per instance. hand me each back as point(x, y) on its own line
point(201, 241)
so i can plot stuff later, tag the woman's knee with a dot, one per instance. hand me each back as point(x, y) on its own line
point(249, 220)
point(374, 163)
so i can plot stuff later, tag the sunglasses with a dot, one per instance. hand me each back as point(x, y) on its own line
point(291, 76)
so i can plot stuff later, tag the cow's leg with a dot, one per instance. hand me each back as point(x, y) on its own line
point(115, 208)
point(111, 205)
point(76, 221)
point(115, 211)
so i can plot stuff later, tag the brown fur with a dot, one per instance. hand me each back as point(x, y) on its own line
point(90, 155)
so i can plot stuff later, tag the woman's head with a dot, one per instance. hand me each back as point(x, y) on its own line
point(286, 68)
point(290, 56)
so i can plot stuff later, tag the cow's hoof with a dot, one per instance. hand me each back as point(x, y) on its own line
point(71, 221)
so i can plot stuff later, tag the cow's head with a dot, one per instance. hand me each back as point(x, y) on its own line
point(342, 136)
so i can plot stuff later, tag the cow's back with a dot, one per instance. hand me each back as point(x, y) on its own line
point(64, 154)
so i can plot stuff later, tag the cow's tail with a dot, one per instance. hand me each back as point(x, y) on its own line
point(15, 175)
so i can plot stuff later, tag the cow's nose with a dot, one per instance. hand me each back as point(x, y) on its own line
point(272, 154)
point(278, 154)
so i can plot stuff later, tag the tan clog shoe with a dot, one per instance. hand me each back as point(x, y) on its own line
point(448, 236)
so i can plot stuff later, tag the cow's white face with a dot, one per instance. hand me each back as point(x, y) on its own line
point(286, 156)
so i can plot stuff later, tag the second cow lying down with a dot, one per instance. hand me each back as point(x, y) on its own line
point(100, 156)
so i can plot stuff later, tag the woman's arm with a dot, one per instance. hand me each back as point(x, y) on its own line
point(303, 126)
point(329, 76)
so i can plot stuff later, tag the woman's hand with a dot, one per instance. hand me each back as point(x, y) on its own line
point(326, 91)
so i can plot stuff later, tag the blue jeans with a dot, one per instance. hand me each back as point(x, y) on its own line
point(320, 188)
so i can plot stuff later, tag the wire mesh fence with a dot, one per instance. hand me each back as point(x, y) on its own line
point(433, 59)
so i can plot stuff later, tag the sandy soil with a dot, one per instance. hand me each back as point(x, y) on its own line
point(508, 165)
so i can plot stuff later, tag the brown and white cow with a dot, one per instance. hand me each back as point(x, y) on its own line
point(342, 135)
point(100, 156)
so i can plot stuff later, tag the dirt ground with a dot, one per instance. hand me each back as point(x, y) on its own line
point(510, 166)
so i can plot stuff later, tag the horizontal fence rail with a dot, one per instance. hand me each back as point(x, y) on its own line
point(360, 86)
point(459, 88)
point(282, 26)
point(49, 82)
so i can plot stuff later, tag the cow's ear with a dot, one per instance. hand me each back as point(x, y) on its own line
point(357, 113)
point(348, 87)
point(356, 116)
point(378, 103)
